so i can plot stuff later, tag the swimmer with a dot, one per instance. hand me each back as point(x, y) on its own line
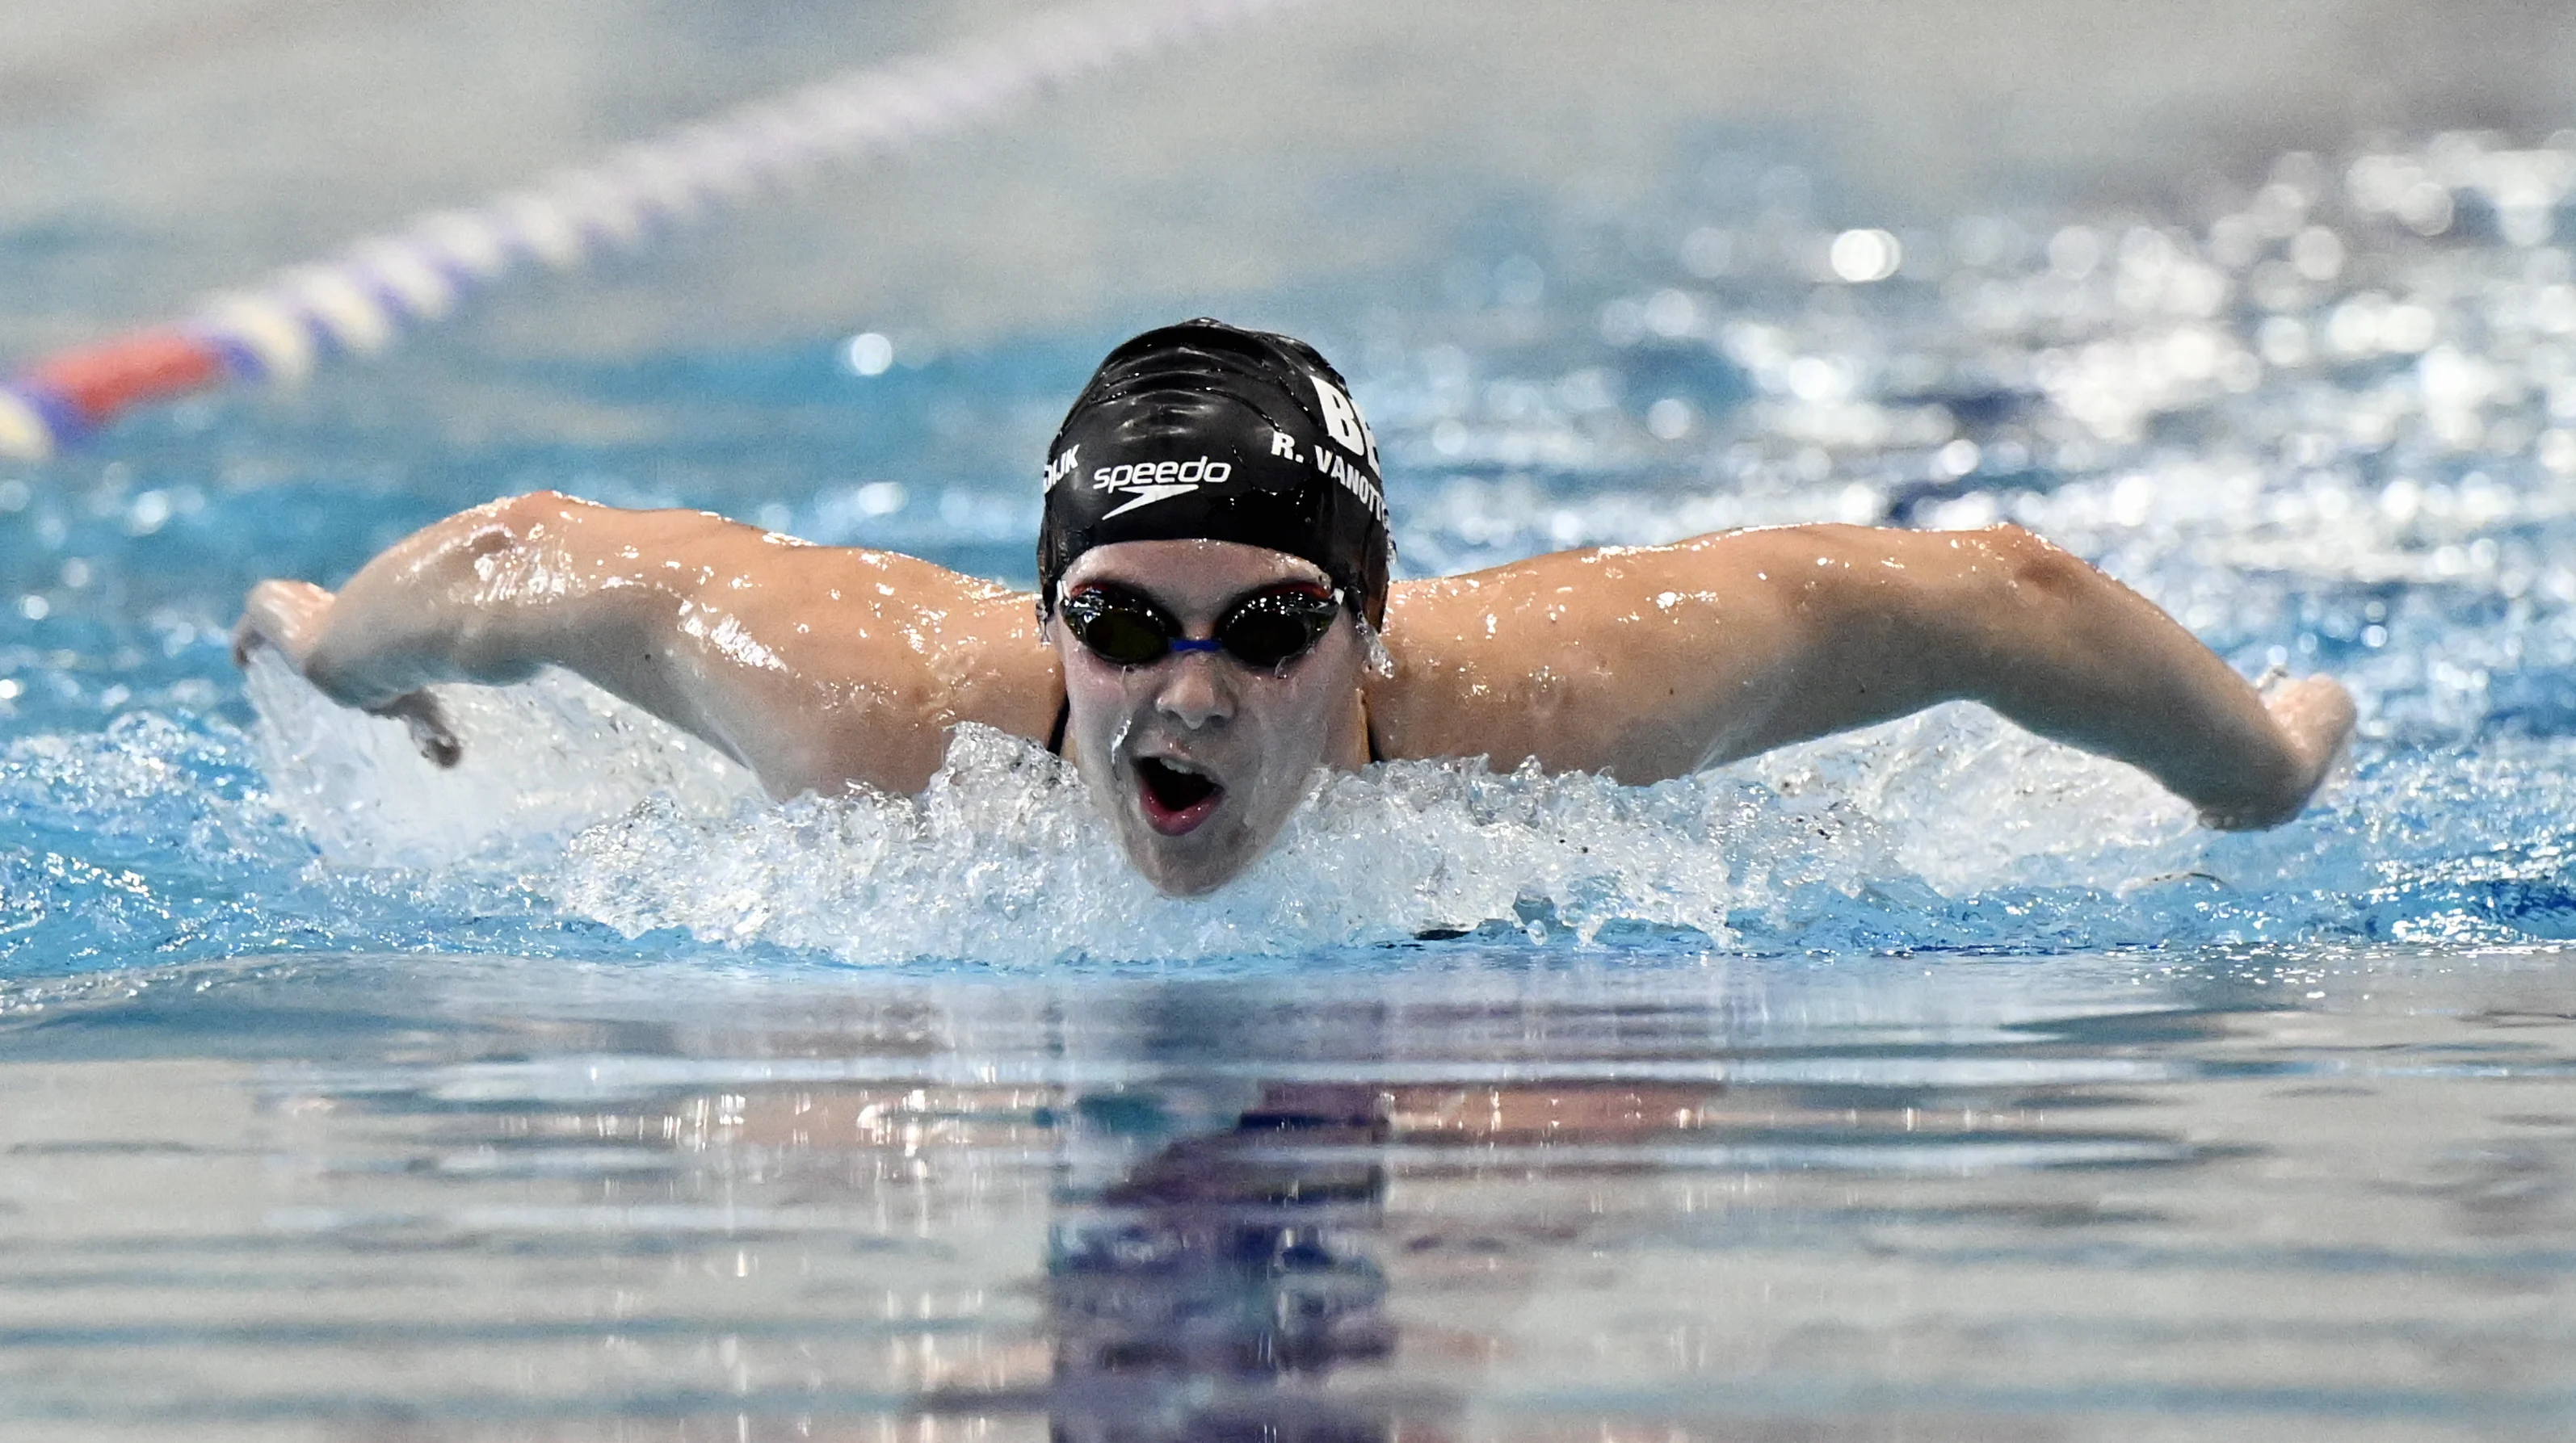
point(1215, 624)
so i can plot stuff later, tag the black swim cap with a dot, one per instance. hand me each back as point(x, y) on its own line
point(1205, 432)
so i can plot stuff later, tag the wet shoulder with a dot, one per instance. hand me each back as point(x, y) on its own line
point(1601, 659)
point(1467, 653)
point(971, 646)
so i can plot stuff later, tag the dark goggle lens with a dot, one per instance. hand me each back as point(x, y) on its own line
point(1272, 630)
point(1118, 630)
point(1264, 632)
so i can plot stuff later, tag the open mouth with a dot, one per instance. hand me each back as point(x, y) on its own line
point(1176, 799)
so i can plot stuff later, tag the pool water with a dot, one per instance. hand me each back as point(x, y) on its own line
point(1457, 1192)
point(1934, 1082)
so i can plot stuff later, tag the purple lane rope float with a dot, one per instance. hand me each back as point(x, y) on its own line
point(360, 301)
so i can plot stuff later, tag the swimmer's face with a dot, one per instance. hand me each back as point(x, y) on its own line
point(1197, 759)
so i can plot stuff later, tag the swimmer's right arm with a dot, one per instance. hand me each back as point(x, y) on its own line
point(814, 666)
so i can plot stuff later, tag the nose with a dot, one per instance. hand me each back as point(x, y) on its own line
point(1195, 691)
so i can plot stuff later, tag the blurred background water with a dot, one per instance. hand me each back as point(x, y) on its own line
point(1931, 1083)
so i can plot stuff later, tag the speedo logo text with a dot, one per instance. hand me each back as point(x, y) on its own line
point(1147, 482)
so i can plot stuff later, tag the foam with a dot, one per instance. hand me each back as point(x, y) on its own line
point(616, 818)
point(577, 828)
point(541, 762)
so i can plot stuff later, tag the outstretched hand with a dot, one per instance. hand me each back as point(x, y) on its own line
point(2315, 715)
point(291, 617)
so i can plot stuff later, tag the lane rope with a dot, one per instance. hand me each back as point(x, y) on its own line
point(360, 301)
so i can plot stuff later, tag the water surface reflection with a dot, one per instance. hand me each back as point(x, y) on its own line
point(1480, 1196)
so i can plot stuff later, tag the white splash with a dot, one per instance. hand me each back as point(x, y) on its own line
point(622, 819)
point(542, 761)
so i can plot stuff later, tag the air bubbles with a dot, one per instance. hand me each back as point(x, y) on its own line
point(2353, 328)
point(2192, 353)
point(1861, 257)
point(1670, 419)
point(1956, 459)
point(2371, 324)
point(148, 512)
point(2554, 309)
point(1672, 314)
point(2283, 341)
point(2416, 190)
point(2425, 208)
point(2234, 242)
point(14, 496)
point(2317, 253)
point(2279, 209)
point(2147, 251)
point(1584, 390)
point(2074, 252)
point(2374, 182)
point(2557, 451)
point(2407, 329)
point(1972, 512)
point(869, 353)
point(34, 607)
point(2133, 499)
point(880, 498)
point(1820, 379)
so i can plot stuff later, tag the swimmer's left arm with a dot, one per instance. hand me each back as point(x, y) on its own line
point(1654, 662)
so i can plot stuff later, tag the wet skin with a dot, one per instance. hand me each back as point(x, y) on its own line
point(1258, 735)
point(819, 667)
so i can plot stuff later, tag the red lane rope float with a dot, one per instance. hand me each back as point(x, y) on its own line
point(360, 301)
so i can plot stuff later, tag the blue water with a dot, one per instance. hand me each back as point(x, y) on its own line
point(1935, 1082)
point(2361, 468)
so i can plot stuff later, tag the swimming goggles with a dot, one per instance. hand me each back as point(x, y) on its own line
point(1264, 631)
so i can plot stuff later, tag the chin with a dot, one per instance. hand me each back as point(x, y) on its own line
point(1189, 872)
point(1223, 847)
point(1193, 884)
